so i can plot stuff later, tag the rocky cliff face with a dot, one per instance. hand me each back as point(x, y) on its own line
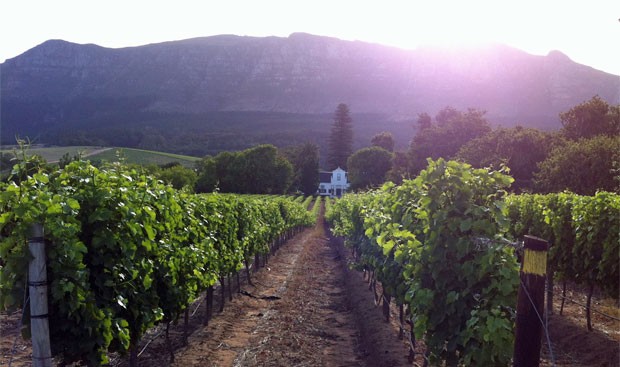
point(58, 80)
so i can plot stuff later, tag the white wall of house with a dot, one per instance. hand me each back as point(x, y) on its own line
point(336, 186)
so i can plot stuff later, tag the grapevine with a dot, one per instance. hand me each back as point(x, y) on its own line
point(126, 252)
point(422, 240)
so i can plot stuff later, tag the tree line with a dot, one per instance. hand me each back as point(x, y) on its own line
point(582, 157)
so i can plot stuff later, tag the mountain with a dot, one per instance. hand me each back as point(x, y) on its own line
point(246, 90)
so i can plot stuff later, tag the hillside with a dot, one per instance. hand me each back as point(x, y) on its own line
point(107, 154)
point(203, 95)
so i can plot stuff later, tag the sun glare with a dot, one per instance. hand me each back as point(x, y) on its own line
point(530, 25)
point(412, 24)
point(578, 28)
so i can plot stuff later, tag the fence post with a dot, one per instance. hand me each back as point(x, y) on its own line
point(530, 303)
point(550, 274)
point(37, 288)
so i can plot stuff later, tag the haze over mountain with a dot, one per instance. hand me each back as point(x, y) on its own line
point(248, 90)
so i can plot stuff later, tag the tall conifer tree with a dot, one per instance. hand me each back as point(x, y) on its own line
point(341, 138)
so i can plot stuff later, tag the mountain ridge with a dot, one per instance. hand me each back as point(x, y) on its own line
point(59, 83)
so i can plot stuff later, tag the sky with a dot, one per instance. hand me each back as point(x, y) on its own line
point(587, 31)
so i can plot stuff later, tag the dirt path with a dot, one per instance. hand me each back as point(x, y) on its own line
point(313, 323)
point(96, 151)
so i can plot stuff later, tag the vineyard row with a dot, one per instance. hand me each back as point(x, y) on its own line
point(126, 252)
point(438, 244)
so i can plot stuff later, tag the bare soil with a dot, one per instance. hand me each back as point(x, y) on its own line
point(571, 342)
point(315, 321)
point(307, 308)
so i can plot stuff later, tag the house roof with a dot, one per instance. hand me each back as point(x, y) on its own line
point(325, 177)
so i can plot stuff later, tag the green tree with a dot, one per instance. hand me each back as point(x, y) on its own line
point(265, 171)
point(383, 140)
point(424, 121)
point(178, 176)
point(282, 176)
point(447, 115)
point(591, 118)
point(341, 138)
point(258, 170)
point(453, 130)
point(305, 161)
point(207, 177)
point(583, 166)
point(228, 170)
point(368, 167)
point(519, 148)
point(400, 168)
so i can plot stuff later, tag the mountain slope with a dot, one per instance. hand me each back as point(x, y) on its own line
point(60, 86)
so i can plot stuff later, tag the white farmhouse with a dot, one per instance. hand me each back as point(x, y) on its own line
point(333, 184)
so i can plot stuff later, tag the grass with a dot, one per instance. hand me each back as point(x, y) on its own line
point(144, 157)
point(53, 154)
point(94, 153)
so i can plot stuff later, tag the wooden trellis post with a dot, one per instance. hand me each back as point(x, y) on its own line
point(530, 303)
point(37, 287)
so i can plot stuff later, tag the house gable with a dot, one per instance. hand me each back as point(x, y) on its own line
point(339, 177)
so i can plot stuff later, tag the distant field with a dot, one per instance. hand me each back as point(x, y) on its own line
point(143, 157)
point(138, 156)
point(53, 154)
